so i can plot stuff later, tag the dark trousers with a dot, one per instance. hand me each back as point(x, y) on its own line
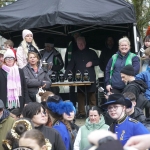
point(81, 101)
point(55, 90)
point(72, 95)
point(32, 97)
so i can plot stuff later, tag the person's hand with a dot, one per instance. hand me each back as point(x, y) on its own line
point(43, 84)
point(106, 96)
point(109, 88)
point(89, 64)
point(109, 93)
point(96, 135)
point(140, 142)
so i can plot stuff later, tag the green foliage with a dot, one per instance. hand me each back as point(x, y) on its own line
point(6, 2)
point(142, 10)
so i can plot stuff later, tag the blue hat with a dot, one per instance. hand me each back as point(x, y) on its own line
point(58, 106)
point(117, 99)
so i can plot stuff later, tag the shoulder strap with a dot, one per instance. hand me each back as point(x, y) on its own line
point(114, 59)
point(129, 59)
point(48, 56)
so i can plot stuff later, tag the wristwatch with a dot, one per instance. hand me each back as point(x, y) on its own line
point(105, 140)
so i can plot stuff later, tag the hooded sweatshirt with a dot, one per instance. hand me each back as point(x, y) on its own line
point(81, 141)
point(136, 90)
point(138, 115)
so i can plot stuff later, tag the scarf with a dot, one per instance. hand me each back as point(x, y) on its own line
point(13, 86)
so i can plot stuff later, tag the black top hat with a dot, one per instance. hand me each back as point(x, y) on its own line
point(55, 99)
point(117, 99)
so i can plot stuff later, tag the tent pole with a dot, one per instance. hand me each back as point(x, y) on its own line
point(80, 29)
point(135, 38)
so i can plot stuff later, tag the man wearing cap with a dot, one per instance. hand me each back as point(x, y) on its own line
point(53, 58)
point(2, 57)
point(6, 122)
point(134, 85)
point(124, 126)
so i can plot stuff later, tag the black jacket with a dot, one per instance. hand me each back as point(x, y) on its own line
point(79, 60)
point(136, 90)
point(53, 136)
point(24, 99)
point(138, 115)
point(106, 54)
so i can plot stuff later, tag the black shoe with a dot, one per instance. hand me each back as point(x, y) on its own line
point(80, 116)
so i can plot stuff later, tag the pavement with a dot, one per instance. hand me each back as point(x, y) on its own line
point(80, 122)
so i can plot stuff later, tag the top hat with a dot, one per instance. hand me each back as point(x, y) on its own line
point(117, 99)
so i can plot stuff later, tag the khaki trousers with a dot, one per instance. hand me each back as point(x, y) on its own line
point(81, 101)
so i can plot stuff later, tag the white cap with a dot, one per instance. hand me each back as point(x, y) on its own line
point(9, 53)
point(25, 32)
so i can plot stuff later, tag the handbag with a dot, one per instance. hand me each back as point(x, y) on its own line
point(38, 97)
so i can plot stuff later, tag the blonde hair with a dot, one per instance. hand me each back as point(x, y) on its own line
point(9, 43)
point(35, 54)
point(45, 95)
point(124, 39)
point(147, 52)
point(24, 46)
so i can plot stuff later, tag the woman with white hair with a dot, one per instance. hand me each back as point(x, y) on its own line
point(27, 45)
point(123, 57)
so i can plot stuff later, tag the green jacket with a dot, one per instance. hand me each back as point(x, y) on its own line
point(5, 126)
point(88, 128)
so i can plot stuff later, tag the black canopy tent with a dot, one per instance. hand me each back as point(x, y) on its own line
point(95, 19)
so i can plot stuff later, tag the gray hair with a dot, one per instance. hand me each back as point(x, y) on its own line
point(124, 39)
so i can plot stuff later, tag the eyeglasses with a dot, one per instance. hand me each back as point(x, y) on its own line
point(9, 58)
point(42, 113)
point(110, 108)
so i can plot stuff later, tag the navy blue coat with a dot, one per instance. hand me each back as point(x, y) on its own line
point(129, 127)
point(116, 81)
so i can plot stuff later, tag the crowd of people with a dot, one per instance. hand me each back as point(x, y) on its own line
point(48, 123)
